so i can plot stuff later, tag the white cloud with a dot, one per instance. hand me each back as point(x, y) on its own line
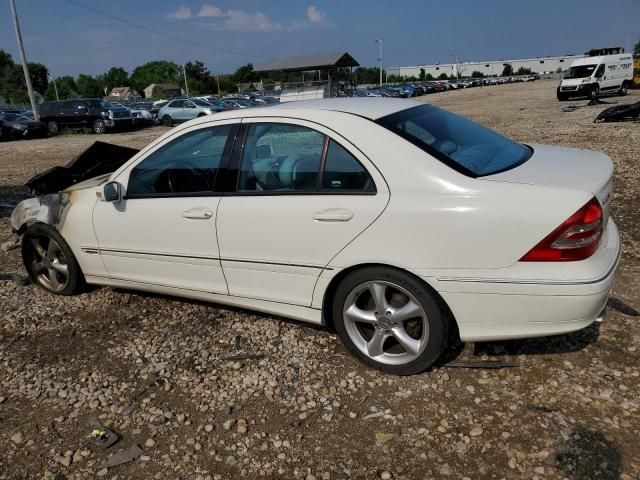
point(241, 21)
point(210, 11)
point(316, 16)
point(182, 13)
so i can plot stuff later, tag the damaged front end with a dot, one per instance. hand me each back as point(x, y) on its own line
point(54, 187)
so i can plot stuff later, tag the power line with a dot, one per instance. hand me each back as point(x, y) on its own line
point(151, 30)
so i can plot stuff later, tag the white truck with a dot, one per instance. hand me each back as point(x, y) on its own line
point(604, 70)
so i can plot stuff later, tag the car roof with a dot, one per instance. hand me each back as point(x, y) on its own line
point(372, 108)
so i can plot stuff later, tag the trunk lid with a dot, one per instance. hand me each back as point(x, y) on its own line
point(563, 167)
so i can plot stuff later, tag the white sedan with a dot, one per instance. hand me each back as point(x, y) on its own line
point(399, 224)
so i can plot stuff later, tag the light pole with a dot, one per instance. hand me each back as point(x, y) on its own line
point(23, 59)
point(186, 85)
point(53, 79)
point(379, 42)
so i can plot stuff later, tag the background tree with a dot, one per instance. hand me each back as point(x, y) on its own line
point(477, 74)
point(67, 89)
point(88, 86)
point(199, 78)
point(443, 76)
point(115, 77)
point(507, 70)
point(157, 93)
point(159, 71)
point(428, 76)
point(39, 76)
point(524, 71)
point(422, 74)
point(245, 74)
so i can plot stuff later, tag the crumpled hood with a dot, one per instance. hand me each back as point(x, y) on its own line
point(99, 159)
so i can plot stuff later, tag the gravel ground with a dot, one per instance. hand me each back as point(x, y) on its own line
point(210, 392)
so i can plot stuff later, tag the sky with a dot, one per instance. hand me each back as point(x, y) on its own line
point(70, 39)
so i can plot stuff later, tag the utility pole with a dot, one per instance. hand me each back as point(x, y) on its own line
point(379, 41)
point(53, 79)
point(218, 82)
point(23, 59)
point(186, 85)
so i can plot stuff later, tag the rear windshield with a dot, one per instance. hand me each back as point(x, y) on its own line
point(581, 71)
point(462, 144)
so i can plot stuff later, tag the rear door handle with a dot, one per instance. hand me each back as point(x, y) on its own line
point(198, 213)
point(333, 215)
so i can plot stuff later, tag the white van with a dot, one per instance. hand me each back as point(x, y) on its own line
point(604, 70)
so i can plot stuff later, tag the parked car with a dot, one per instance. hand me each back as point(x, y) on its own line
point(182, 110)
point(235, 103)
point(141, 116)
point(17, 125)
point(396, 222)
point(593, 75)
point(94, 113)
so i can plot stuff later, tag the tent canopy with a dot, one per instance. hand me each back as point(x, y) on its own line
point(303, 63)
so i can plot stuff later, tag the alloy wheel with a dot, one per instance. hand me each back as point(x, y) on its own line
point(49, 264)
point(386, 322)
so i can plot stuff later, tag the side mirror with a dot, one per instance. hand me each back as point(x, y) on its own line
point(111, 192)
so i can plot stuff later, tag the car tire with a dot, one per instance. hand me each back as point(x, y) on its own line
point(50, 261)
point(623, 89)
point(53, 128)
point(414, 315)
point(562, 97)
point(594, 92)
point(202, 115)
point(167, 121)
point(98, 127)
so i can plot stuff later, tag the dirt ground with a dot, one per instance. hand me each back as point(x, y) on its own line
point(168, 374)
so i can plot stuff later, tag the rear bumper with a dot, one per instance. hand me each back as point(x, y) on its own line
point(498, 309)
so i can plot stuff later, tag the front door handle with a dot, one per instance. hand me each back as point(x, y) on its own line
point(333, 215)
point(198, 213)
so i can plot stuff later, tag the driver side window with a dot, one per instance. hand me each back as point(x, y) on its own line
point(186, 165)
point(600, 71)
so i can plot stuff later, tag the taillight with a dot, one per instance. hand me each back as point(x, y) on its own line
point(576, 239)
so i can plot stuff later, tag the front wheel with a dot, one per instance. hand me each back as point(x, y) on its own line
point(594, 92)
point(98, 127)
point(390, 320)
point(167, 121)
point(50, 261)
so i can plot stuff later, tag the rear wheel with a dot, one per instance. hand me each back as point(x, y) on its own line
point(167, 121)
point(389, 320)
point(49, 261)
point(623, 89)
point(53, 128)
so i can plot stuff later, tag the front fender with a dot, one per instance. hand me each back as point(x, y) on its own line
point(50, 209)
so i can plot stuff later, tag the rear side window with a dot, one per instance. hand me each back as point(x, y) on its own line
point(280, 157)
point(463, 145)
point(343, 172)
point(189, 164)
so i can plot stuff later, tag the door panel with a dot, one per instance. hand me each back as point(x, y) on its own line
point(151, 240)
point(164, 231)
point(281, 229)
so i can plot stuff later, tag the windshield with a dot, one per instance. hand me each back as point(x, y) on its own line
point(462, 144)
point(200, 103)
point(581, 71)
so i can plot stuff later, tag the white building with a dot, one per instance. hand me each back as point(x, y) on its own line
point(488, 68)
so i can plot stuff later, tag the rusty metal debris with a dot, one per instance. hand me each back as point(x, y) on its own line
point(123, 456)
point(622, 307)
point(491, 364)
point(22, 280)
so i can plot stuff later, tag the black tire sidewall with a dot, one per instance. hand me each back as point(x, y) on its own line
point(53, 126)
point(167, 121)
point(438, 325)
point(76, 278)
point(594, 92)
